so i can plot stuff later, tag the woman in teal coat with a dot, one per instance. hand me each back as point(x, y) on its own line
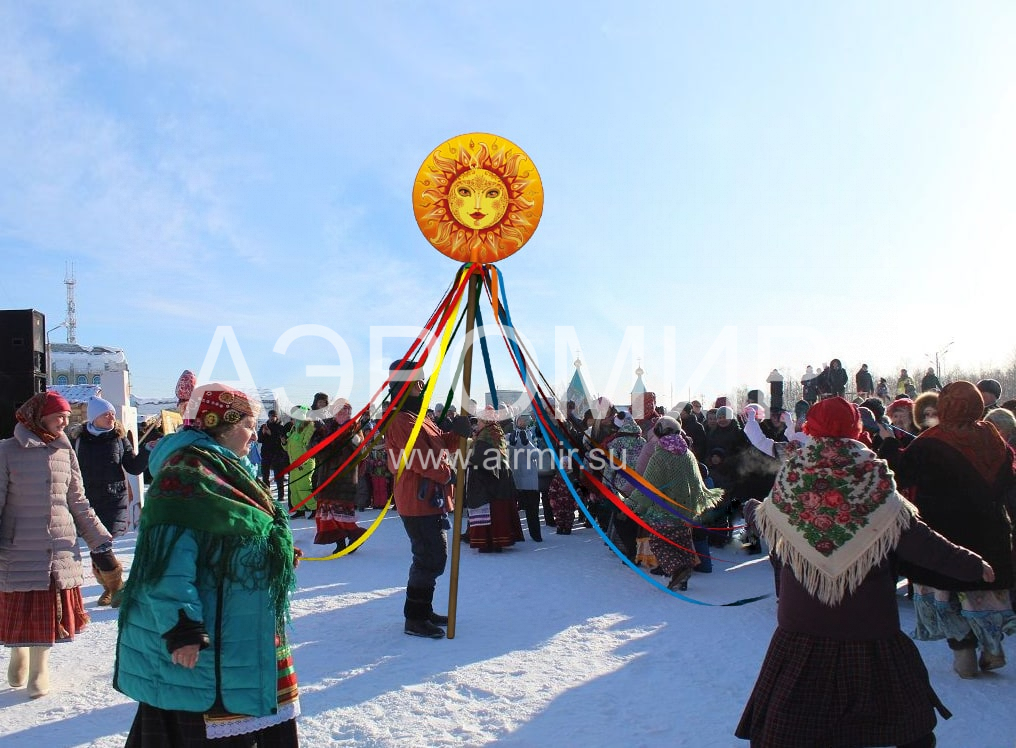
point(202, 639)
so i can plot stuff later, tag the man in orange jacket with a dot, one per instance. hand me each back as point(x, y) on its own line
point(423, 495)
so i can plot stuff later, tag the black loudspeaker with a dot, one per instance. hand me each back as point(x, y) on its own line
point(22, 341)
point(22, 362)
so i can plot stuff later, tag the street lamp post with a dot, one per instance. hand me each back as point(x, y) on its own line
point(49, 366)
point(937, 356)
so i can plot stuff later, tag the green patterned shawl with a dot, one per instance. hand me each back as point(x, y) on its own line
point(243, 538)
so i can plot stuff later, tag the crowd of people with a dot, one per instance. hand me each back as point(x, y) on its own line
point(849, 491)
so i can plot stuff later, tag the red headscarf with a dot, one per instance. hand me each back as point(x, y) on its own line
point(901, 403)
point(960, 407)
point(834, 418)
point(644, 406)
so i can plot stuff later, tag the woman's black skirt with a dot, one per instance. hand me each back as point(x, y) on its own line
point(162, 728)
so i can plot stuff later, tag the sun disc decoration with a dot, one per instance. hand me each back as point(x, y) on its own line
point(478, 198)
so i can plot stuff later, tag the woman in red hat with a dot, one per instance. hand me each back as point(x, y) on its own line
point(43, 510)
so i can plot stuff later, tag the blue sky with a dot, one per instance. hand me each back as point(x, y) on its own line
point(749, 184)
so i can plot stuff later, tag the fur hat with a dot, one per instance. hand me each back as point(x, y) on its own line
point(725, 412)
point(921, 403)
point(991, 387)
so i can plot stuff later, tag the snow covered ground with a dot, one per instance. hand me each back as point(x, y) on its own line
point(556, 644)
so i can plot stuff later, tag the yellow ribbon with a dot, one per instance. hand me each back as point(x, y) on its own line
point(446, 336)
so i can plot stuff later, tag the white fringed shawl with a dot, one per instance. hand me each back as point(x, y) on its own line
point(833, 514)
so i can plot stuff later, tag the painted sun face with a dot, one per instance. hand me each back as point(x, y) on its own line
point(478, 199)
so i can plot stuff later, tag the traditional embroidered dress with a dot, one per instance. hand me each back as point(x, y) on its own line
point(335, 518)
point(495, 524)
point(204, 497)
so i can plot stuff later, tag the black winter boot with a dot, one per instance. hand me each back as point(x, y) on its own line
point(428, 595)
point(418, 611)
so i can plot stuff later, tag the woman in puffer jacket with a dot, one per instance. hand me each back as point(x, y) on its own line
point(42, 511)
point(213, 570)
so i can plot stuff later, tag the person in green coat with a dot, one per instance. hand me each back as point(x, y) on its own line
point(298, 442)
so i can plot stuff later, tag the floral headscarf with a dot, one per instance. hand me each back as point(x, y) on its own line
point(833, 514)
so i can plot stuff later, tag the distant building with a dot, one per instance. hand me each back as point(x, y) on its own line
point(153, 406)
point(70, 363)
point(577, 391)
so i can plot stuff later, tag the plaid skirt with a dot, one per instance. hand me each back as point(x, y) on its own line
point(815, 692)
point(41, 617)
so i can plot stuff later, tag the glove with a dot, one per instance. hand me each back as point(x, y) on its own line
point(105, 561)
point(461, 426)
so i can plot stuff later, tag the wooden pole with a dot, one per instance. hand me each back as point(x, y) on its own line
point(460, 467)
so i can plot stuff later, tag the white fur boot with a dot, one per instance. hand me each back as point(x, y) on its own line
point(38, 671)
point(17, 668)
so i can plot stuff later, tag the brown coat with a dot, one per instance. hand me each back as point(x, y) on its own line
point(43, 509)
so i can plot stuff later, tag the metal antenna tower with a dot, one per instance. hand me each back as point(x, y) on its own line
point(72, 319)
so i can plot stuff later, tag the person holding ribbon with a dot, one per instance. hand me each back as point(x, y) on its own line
point(422, 492)
point(674, 472)
point(838, 671)
point(213, 570)
point(335, 516)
